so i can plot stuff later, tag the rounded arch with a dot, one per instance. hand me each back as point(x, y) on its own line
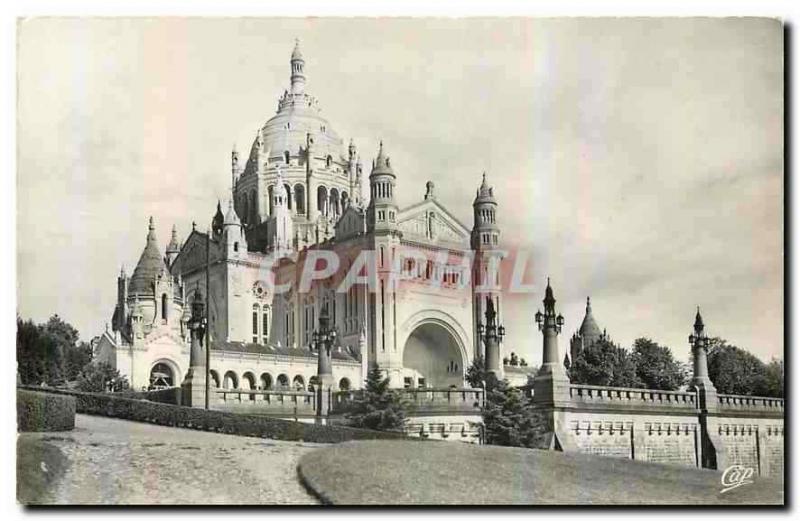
point(214, 378)
point(298, 383)
point(249, 381)
point(345, 200)
point(344, 384)
point(283, 381)
point(333, 202)
point(266, 381)
point(435, 349)
point(288, 196)
point(164, 373)
point(300, 198)
point(322, 199)
point(230, 380)
point(313, 382)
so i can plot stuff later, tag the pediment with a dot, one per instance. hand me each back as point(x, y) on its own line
point(430, 221)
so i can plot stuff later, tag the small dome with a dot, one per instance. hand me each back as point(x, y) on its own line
point(589, 329)
point(382, 164)
point(150, 265)
point(296, 54)
point(485, 193)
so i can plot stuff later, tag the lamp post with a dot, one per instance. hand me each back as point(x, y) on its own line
point(492, 335)
point(551, 384)
point(194, 382)
point(323, 340)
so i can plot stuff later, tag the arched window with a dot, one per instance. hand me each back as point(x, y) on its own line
point(164, 307)
point(299, 383)
point(300, 198)
point(265, 316)
point(344, 384)
point(269, 192)
point(288, 198)
point(255, 323)
point(286, 156)
point(266, 381)
point(328, 161)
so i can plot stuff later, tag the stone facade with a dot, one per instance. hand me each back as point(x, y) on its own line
point(297, 195)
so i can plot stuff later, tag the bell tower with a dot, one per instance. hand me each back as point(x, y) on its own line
point(484, 241)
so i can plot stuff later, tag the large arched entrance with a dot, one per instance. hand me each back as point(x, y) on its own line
point(432, 357)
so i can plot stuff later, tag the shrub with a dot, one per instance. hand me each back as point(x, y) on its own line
point(44, 411)
point(103, 404)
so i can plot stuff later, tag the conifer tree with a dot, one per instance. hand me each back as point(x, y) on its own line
point(377, 406)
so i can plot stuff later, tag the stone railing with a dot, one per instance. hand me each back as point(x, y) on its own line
point(734, 402)
point(267, 401)
point(456, 401)
point(595, 395)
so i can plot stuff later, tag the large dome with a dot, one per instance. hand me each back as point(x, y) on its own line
point(298, 115)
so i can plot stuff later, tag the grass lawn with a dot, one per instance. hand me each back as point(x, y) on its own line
point(434, 473)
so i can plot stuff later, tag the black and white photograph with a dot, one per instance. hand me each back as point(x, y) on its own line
point(399, 261)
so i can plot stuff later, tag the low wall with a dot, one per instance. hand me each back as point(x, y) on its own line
point(669, 427)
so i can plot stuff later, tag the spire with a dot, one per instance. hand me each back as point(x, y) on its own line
point(173, 246)
point(549, 299)
point(698, 322)
point(231, 218)
point(218, 221)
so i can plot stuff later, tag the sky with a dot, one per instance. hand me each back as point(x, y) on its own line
point(640, 161)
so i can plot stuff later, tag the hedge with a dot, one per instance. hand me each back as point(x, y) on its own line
point(39, 411)
point(101, 404)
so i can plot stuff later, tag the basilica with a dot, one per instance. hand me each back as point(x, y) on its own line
point(299, 192)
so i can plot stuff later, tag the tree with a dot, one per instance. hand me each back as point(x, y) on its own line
point(775, 378)
point(508, 417)
point(101, 377)
point(514, 361)
point(376, 406)
point(476, 373)
point(734, 370)
point(75, 359)
point(40, 358)
point(603, 363)
point(655, 366)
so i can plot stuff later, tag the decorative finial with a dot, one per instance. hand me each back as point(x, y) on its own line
point(151, 225)
point(194, 224)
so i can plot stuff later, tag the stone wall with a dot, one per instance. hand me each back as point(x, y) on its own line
point(669, 427)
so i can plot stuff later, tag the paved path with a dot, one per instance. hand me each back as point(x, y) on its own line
point(110, 461)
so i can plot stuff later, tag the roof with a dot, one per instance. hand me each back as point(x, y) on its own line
point(174, 246)
point(249, 347)
point(485, 193)
point(150, 265)
point(296, 54)
point(382, 165)
point(589, 329)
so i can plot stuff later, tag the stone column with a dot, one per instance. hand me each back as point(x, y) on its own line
point(551, 384)
point(193, 387)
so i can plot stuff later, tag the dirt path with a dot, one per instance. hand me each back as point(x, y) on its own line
point(109, 461)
